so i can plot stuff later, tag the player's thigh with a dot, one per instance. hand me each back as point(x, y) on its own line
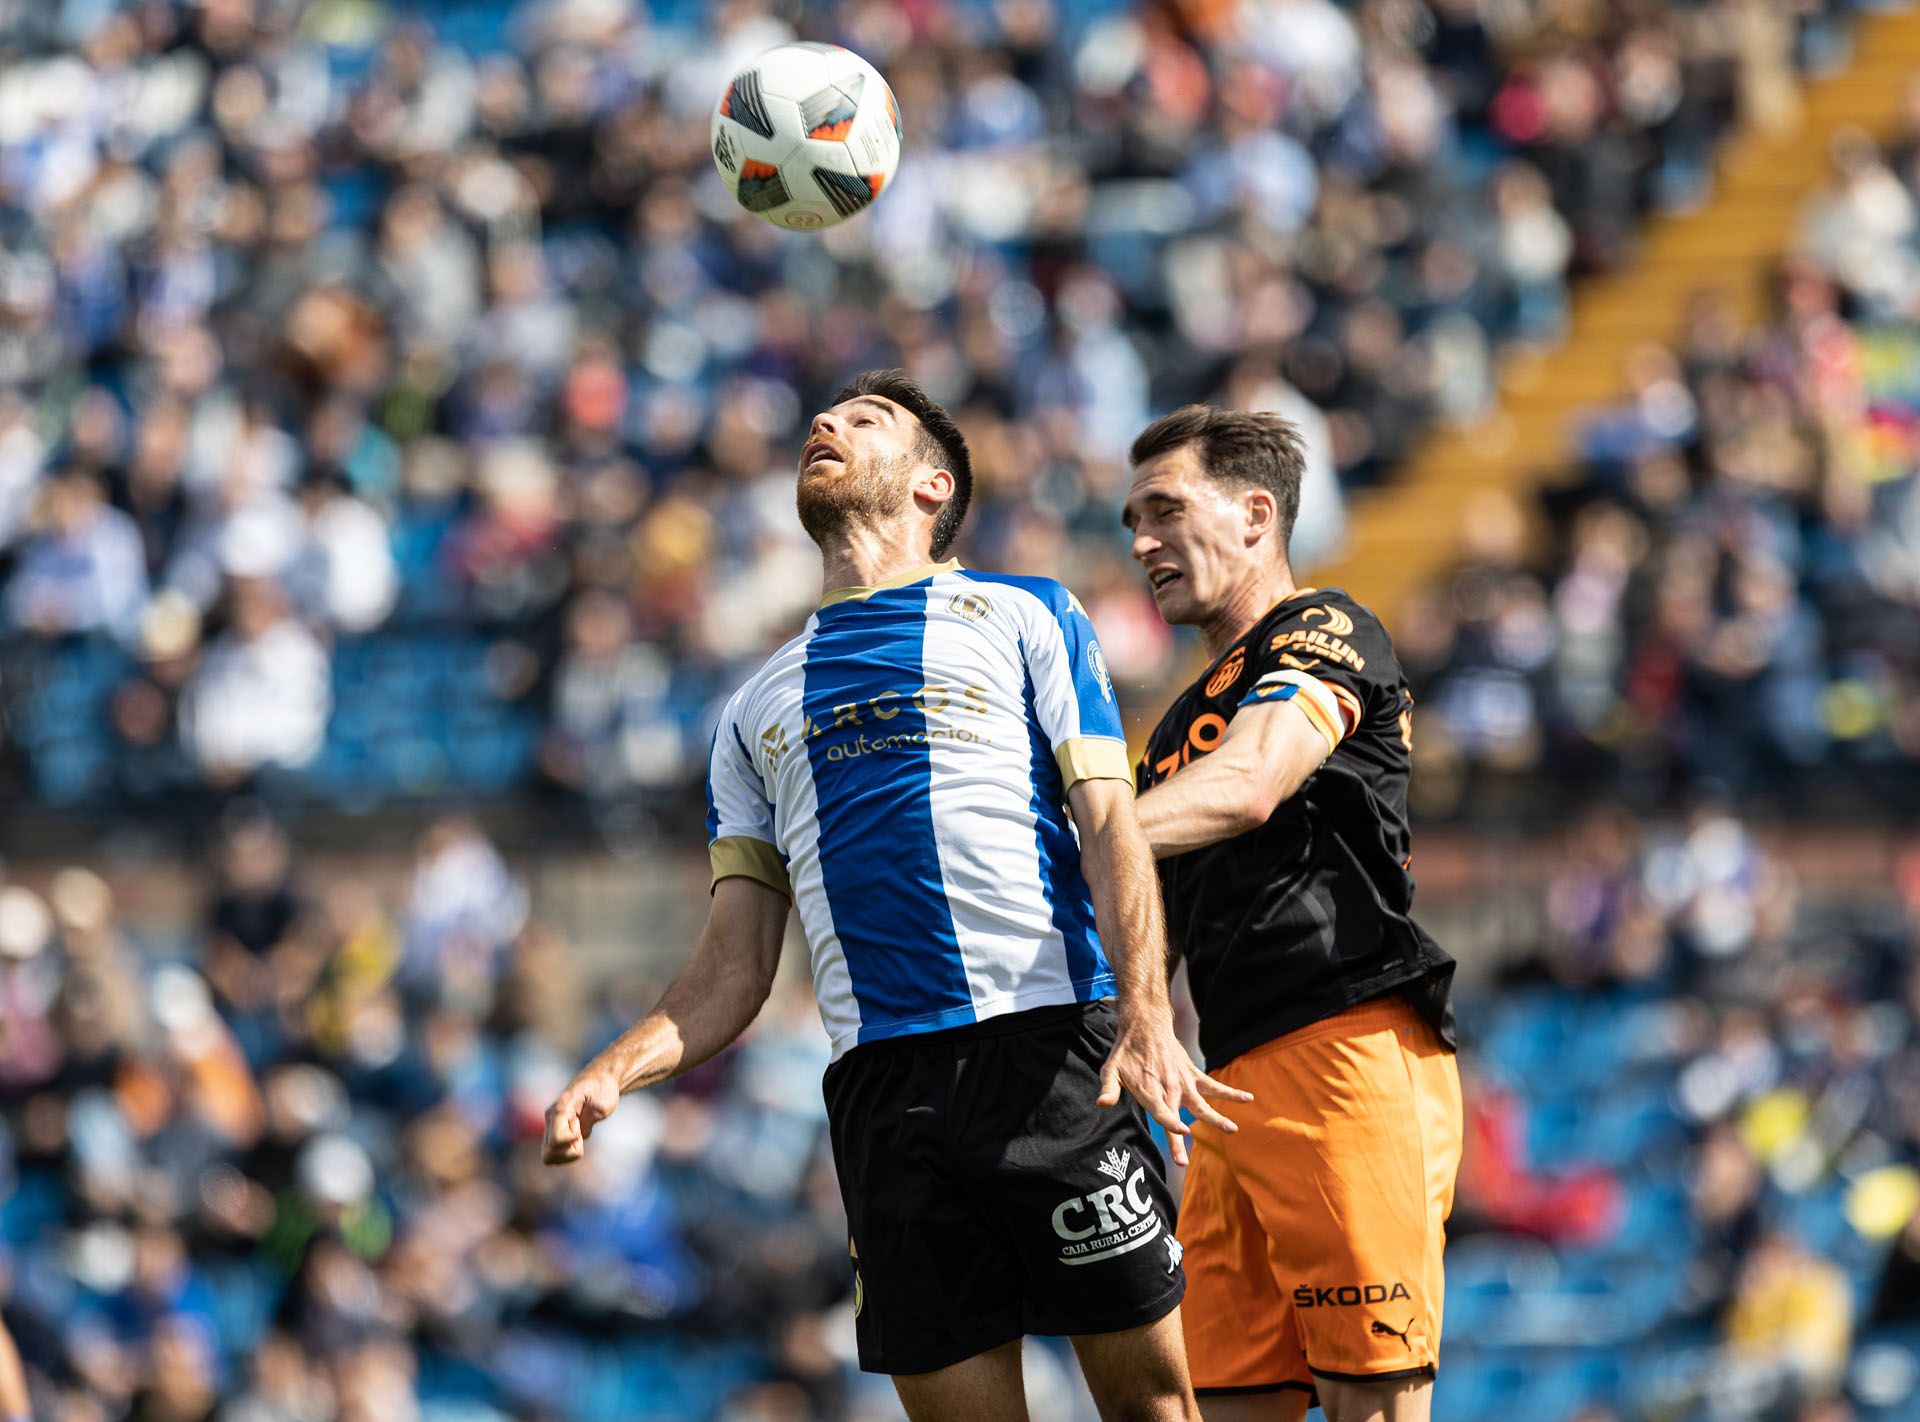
point(1284, 1405)
point(1400, 1400)
point(1079, 1190)
point(935, 1281)
point(989, 1384)
point(1238, 1320)
point(1342, 1173)
point(1138, 1374)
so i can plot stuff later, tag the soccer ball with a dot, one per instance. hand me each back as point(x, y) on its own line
point(806, 135)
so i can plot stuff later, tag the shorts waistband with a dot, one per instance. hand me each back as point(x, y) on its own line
point(1380, 1014)
point(1005, 1024)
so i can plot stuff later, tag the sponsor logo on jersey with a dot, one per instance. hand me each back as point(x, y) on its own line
point(1338, 624)
point(773, 745)
point(1115, 1219)
point(1228, 673)
point(1323, 644)
point(971, 606)
point(1347, 1295)
point(940, 706)
point(1097, 660)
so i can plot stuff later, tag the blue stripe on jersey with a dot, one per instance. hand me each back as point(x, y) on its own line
point(879, 861)
point(1099, 709)
point(713, 805)
point(1060, 874)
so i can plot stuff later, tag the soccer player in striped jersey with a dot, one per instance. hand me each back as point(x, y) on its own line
point(901, 773)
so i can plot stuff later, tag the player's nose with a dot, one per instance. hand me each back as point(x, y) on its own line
point(825, 424)
point(1144, 545)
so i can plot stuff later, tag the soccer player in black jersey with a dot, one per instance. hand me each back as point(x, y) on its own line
point(1274, 795)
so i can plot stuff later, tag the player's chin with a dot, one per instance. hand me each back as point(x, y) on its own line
point(1175, 601)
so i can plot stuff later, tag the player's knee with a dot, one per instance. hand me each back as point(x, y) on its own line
point(1393, 1400)
point(1173, 1405)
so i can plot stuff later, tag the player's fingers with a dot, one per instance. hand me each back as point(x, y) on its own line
point(1177, 1147)
point(1109, 1084)
point(1166, 1110)
point(1197, 1104)
point(1220, 1089)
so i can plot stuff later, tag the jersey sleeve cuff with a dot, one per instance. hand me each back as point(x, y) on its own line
point(739, 857)
point(1093, 758)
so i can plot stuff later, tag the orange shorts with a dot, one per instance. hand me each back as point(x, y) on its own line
point(1313, 1234)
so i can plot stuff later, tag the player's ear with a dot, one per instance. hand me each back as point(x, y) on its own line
point(935, 486)
point(1263, 514)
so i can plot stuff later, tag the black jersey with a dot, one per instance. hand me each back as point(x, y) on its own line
point(1310, 913)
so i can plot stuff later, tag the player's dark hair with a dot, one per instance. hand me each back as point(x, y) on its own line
point(1245, 448)
point(941, 442)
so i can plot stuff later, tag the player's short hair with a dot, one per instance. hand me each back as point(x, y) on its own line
point(941, 443)
point(1245, 448)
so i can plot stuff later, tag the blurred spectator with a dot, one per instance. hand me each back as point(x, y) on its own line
point(1790, 1318)
point(84, 571)
point(259, 697)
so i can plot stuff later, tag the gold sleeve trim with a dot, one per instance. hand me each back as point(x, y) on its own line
point(737, 856)
point(1093, 758)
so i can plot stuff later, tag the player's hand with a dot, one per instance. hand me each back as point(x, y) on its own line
point(588, 1100)
point(1150, 1065)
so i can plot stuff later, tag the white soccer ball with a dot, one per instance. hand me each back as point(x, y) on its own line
point(806, 135)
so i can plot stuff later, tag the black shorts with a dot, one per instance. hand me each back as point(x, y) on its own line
point(989, 1196)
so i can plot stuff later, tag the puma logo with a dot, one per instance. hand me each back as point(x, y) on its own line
point(1383, 1331)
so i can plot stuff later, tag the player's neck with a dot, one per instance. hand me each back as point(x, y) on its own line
point(864, 557)
point(1247, 606)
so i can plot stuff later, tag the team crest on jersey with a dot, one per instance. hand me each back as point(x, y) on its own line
point(971, 606)
point(1097, 662)
point(1228, 673)
point(1115, 1165)
point(1338, 623)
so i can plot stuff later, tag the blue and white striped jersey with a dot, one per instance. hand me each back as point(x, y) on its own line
point(900, 769)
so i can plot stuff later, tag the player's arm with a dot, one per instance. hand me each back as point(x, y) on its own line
point(1267, 754)
point(1148, 1061)
point(711, 1002)
point(16, 1405)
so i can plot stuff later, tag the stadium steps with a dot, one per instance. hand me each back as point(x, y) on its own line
point(1402, 536)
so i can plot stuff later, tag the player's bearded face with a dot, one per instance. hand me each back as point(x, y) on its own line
point(866, 487)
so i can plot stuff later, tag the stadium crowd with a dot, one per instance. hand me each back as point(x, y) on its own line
point(279, 1161)
point(402, 375)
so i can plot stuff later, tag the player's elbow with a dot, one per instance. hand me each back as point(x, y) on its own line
point(1252, 802)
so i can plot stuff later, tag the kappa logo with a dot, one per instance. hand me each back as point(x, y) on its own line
point(1115, 1164)
point(773, 745)
point(1228, 673)
point(1176, 1251)
point(1338, 623)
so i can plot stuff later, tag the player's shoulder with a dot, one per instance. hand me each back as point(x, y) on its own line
point(1332, 621)
point(786, 662)
point(1027, 593)
point(1334, 611)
